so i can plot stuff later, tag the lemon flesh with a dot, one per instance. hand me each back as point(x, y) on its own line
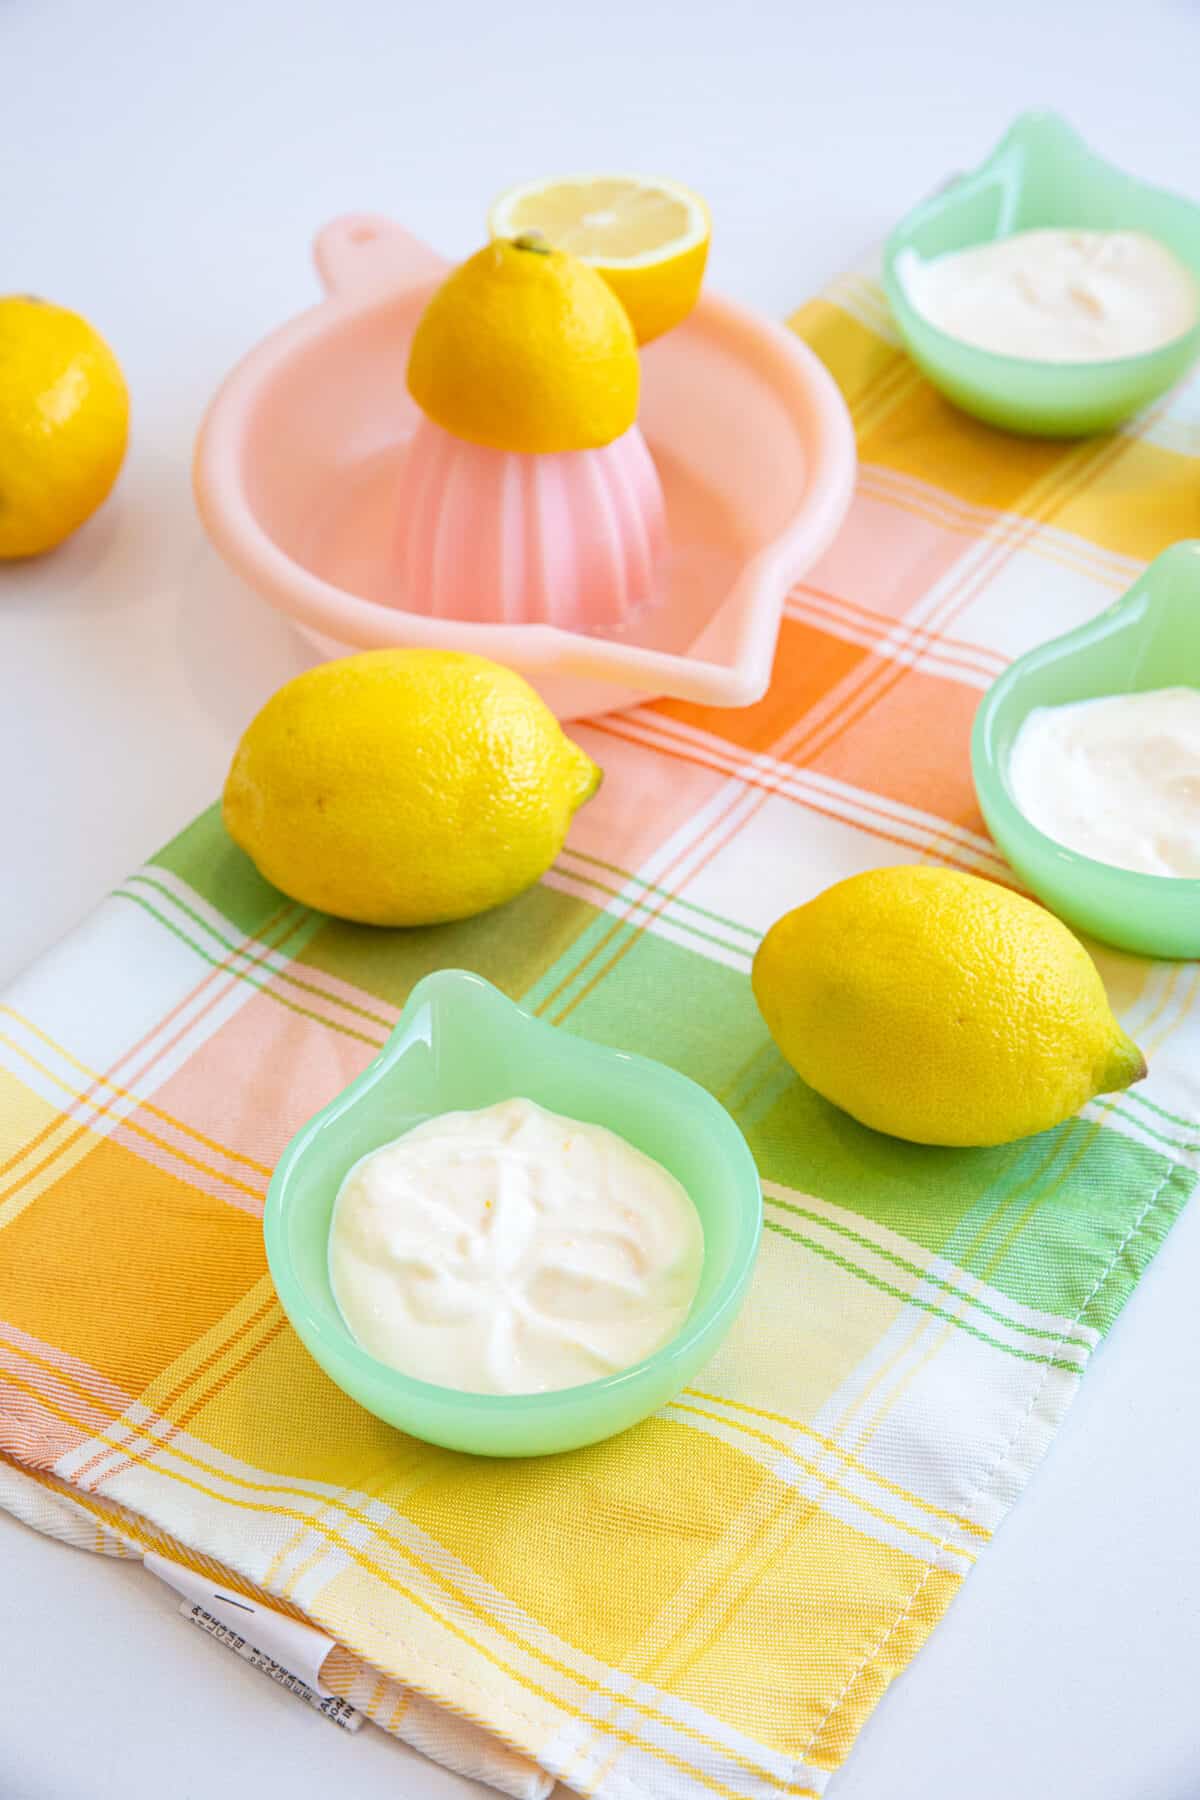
point(405, 787)
point(648, 238)
point(525, 348)
point(64, 422)
point(940, 1008)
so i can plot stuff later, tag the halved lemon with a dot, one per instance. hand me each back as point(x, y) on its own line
point(648, 238)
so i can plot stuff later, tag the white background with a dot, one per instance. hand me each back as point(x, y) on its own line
point(162, 169)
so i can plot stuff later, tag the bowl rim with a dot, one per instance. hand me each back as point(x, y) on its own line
point(989, 768)
point(336, 1340)
point(995, 364)
point(798, 377)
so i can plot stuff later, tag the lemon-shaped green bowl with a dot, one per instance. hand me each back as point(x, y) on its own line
point(1041, 174)
point(460, 1044)
point(1149, 639)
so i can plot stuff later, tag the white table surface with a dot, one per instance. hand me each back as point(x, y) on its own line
point(163, 165)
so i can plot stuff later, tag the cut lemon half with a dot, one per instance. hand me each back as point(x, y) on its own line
point(649, 239)
point(525, 348)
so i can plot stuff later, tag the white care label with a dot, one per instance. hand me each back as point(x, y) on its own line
point(290, 1651)
point(330, 1706)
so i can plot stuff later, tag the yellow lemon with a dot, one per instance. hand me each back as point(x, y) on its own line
point(525, 348)
point(64, 420)
point(405, 787)
point(649, 239)
point(940, 1008)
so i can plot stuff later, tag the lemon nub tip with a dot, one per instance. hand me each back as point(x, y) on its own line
point(589, 776)
point(1126, 1065)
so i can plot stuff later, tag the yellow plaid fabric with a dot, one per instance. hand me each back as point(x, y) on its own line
point(712, 1603)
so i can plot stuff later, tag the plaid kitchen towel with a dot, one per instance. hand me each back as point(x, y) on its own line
point(712, 1603)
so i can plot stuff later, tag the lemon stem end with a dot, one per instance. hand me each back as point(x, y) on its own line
point(533, 241)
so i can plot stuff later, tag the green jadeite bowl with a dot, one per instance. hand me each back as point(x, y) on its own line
point(1150, 638)
point(460, 1043)
point(1042, 173)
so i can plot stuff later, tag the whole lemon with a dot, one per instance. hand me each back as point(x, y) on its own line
point(526, 348)
point(64, 421)
point(405, 787)
point(940, 1008)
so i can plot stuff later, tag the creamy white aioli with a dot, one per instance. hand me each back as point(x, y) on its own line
point(512, 1251)
point(1057, 296)
point(1117, 779)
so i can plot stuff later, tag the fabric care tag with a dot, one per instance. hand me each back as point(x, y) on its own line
point(328, 1705)
point(287, 1650)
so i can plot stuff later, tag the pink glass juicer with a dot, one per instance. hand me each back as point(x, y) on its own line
point(574, 539)
point(301, 472)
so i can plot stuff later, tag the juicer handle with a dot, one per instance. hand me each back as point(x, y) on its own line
point(365, 253)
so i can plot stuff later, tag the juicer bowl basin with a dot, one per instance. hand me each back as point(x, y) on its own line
point(298, 459)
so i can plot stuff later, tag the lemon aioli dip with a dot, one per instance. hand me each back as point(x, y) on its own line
point(511, 1250)
point(1116, 779)
point(1053, 295)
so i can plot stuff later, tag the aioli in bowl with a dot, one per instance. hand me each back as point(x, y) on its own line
point(1116, 778)
point(512, 1250)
